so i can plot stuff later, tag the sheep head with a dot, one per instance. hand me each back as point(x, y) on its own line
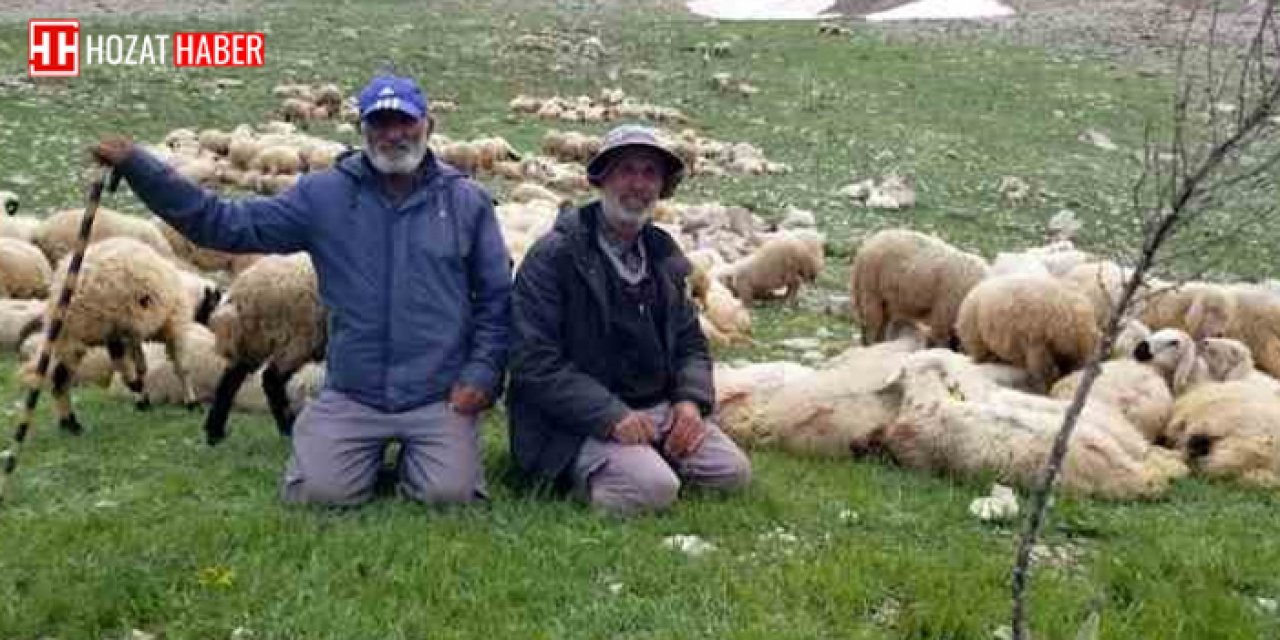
point(1173, 353)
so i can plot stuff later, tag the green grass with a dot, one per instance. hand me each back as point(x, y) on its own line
point(138, 525)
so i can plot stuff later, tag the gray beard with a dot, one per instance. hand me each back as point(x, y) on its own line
point(619, 217)
point(397, 163)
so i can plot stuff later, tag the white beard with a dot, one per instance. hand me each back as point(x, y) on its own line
point(404, 159)
point(620, 216)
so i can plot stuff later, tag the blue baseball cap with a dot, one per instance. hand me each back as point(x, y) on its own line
point(393, 92)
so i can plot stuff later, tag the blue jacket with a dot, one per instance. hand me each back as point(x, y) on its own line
point(418, 294)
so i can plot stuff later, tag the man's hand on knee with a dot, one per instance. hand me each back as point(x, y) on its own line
point(634, 428)
point(467, 400)
point(687, 430)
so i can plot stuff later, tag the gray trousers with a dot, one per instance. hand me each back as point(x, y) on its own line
point(338, 448)
point(622, 479)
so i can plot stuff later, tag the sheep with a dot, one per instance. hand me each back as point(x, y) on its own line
point(702, 263)
point(9, 202)
point(726, 312)
point(1058, 258)
point(1230, 429)
point(19, 227)
point(951, 420)
point(1136, 390)
point(1202, 309)
point(1103, 284)
point(19, 318)
point(825, 412)
point(24, 271)
point(127, 293)
point(1256, 322)
point(785, 260)
point(271, 315)
point(277, 159)
point(59, 233)
point(904, 275)
point(529, 192)
point(1186, 363)
point(215, 141)
point(205, 259)
point(1037, 323)
point(95, 369)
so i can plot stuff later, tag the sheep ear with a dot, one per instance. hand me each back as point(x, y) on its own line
point(1195, 318)
point(1186, 365)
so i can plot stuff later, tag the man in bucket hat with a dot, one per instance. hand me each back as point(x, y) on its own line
point(416, 279)
point(611, 386)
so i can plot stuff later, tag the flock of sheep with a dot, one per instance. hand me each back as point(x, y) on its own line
point(966, 366)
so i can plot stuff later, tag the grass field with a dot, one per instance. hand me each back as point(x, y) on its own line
point(138, 525)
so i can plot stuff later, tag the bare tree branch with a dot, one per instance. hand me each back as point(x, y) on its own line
point(1193, 179)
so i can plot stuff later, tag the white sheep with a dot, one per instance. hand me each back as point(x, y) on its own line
point(19, 227)
point(205, 259)
point(823, 413)
point(1230, 430)
point(1186, 363)
point(900, 274)
point(787, 260)
point(1036, 323)
point(271, 315)
point(24, 270)
point(952, 420)
point(59, 233)
point(1137, 391)
point(18, 319)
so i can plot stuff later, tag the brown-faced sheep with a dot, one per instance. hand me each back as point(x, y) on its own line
point(271, 315)
point(904, 275)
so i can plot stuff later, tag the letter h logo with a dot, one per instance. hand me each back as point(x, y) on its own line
point(53, 48)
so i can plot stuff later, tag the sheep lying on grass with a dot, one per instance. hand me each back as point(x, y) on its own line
point(58, 233)
point(1230, 430)
point(18, 319)
point(24, 271)
point(953, 421)
point(1139, 392)
point(825, 412)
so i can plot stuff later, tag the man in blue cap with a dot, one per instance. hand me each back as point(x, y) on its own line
point(611, 389)
point(416, 278)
